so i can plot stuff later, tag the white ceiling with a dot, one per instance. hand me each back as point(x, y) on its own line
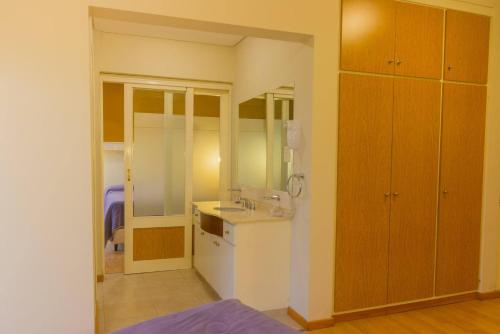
point(140, 29)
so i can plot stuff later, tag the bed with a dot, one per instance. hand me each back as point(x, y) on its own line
point(223, 317)
point(114, 215)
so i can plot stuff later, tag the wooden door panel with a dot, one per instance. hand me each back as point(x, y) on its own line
point(419, 40)
point(466, 47)
point(113, 112)
point(415, 158)
point(365, 123)
point(158, 243)
point(368, 36)
point(459, 225)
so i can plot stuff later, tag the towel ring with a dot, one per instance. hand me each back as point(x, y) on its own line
point(289, 184)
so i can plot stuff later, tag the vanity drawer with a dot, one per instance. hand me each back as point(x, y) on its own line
point(228, 232)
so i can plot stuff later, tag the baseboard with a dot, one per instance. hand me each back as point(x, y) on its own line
point(417, 305)
point(488, 295)
point(309, 325)
point(100, 278)
point(386, 310)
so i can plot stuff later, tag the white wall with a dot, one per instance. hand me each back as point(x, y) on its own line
point(119, 53)
point(46, 285)
point(113, 168)
point(263, 65)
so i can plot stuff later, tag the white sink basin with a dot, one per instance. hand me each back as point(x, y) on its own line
point(228, 209)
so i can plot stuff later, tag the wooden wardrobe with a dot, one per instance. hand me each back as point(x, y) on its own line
point(410, 162)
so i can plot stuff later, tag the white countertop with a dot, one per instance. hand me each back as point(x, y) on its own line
point(261, 213)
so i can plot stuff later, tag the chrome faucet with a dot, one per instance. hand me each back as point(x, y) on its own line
point(238, 190)
point(274, 197)
point(248, 203)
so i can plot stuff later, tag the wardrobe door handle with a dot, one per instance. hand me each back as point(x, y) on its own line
point(390, 61)
point(387, 194)
point(395, 194)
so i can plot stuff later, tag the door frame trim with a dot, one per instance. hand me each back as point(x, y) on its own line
point(200, 87)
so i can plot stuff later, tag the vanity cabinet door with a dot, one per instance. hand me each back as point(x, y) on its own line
point(201, 253)
point(368, 36)
point(223, 267)
point(419, 41)
point(229, 233)
point(466, 47)
point(364, 185)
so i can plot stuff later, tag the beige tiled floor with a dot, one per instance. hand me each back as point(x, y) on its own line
point(113, 260)
point(124, 300)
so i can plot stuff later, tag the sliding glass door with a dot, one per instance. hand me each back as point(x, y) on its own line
point(158, 185)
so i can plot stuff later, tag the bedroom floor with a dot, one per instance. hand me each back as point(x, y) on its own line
point(479, 317)
point(124, 300)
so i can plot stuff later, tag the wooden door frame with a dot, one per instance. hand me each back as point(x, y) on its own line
point(221, 89)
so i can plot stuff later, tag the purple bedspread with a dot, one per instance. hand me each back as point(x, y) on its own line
point(114, 210)
point(224, 317)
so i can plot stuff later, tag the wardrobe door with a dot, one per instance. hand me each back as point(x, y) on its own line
point(419, 40)
point(461, 188)
point(363, 207)
point(466, 47)
point(368, 36)
point(415, 158)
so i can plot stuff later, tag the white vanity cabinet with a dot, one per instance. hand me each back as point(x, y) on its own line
point(249, 261)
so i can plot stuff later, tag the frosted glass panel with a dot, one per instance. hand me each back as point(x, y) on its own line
point(158, 164)
point(206, 143)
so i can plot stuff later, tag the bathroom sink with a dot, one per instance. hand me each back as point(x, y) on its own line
point(228, 209)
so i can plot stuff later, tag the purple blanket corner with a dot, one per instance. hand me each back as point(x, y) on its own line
point(223, 317)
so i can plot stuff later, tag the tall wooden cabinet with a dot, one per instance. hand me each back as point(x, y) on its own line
point(415, 155)
point(419, 40)
point(368, 36)
point(388, 153)
point(467, 47)
point(460, 195)
point(384, 36)
point(365, 137)
point(410, 155)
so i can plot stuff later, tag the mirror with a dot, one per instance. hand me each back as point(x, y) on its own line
point(264, 161)
point(252, 143)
